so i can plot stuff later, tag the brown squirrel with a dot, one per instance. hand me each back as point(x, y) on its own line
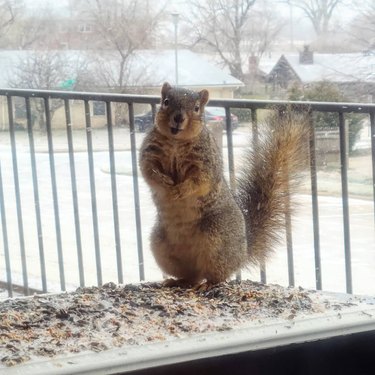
point(203, 230)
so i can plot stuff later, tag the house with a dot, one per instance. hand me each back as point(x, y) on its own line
point(354, 73)
point(148, 69)
point(144, 72)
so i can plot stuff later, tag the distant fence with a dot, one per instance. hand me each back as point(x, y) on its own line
point(43, 194)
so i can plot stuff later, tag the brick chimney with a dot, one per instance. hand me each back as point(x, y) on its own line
point(253, 64)
point(306, 57)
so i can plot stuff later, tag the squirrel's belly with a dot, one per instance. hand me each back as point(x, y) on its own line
point(180, 221)
point(179, 212)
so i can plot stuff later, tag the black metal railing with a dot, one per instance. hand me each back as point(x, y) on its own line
point(12, 193)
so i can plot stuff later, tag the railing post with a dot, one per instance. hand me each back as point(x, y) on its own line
point(282, 112)
point(73, 178)
point(55, 198)
point(289, 240)
point(137, 205)
point(315, 204)
point(18, 197)
point(36, 196)
point(255, 140)
point(116, 224)
point(94, 208)
point(232, 175)
point(8, 269)
point(345, 201)
point(372, 125)
point(228, 127)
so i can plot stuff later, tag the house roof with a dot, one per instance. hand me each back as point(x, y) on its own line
point(341, 67)
point(267, 62)
point(145, 68)
point(154, 67)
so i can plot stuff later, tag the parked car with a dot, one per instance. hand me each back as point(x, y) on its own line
point(217, 114)
point(143, 121)
point(212, 114)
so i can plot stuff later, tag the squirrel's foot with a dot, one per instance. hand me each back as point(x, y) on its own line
point(205, 286)
point(196, 286)
point(176, 283)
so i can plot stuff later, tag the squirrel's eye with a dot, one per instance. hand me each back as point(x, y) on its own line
point(196, 108)
point(166, 102)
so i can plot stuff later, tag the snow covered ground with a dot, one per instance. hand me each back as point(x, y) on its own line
point(330, 214)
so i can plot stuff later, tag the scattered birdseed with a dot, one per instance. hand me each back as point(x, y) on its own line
point(97, 319)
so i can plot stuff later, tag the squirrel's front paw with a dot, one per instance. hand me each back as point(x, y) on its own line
point(178, 192)
point(166, 180)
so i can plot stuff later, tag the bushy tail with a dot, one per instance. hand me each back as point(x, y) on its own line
point(270, 175)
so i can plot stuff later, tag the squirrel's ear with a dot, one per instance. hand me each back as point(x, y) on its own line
point(165, 88)
point(203, 95)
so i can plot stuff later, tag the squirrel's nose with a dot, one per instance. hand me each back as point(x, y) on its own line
point(178, 118)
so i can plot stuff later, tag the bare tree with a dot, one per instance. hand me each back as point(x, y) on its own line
point(9, 10)
point(262, 30)
point(235, 30)
point(319, 12)
point(362, 29)
point(124, 27)
point(35, 30)
point(221, 25)
point(47, 70)
point(27, 28)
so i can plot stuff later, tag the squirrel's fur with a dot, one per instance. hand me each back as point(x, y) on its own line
point(203, 230)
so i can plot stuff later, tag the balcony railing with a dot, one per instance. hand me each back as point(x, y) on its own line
point(51, 207)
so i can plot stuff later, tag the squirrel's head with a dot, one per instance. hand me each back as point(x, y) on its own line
point(181, 112)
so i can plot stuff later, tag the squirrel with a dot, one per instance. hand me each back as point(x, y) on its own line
point(204, 232)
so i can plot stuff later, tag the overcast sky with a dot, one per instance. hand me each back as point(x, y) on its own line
point(301, 24)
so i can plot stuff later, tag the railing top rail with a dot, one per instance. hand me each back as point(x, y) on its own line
point(309, 105)
point(152, 99)
point(78, 95)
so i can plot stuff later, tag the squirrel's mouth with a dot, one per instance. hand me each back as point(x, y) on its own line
point(175, 131)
